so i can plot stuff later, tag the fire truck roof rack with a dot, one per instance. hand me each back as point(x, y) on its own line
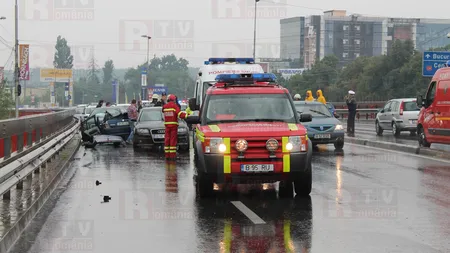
point(225, 80)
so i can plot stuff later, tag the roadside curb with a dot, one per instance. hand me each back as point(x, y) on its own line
point(14, 233)
point(399, 147)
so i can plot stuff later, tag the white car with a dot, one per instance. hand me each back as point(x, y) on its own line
point(398, 115)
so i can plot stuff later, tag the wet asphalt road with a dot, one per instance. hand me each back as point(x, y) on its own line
point(363, 200)
point(366, 130)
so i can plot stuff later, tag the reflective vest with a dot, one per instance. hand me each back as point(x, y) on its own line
point(171, 113)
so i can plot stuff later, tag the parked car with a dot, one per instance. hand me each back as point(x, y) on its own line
point(109, 121)
point(79, 113)
point(324, 127)
point(434, 118)
point(149, 130)
point(398, 115)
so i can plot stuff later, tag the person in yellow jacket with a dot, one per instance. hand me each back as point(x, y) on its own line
point(321, 98)
point(309, 96)
point(189, 111)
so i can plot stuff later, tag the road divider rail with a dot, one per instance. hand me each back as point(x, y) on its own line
point(19, 136)
point(361, 114)
point(14, 172)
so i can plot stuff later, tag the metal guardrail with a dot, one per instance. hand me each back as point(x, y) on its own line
point(17, 136)
point(14, 172)
point(361, 114)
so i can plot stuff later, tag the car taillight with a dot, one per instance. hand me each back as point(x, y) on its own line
point(401, 108)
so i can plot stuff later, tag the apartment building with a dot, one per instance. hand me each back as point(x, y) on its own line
point(351, 36)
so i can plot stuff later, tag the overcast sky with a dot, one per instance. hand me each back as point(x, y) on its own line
point(194, 30)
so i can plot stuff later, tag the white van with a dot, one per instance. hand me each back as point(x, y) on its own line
point(206, 76)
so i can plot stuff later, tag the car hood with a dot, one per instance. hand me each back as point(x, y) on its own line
point(319, 121)
point(156, 124)
point(260, 129)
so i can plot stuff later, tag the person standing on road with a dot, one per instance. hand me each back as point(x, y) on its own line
point(309, 96)
point(171, 113)
point(163, 98)
point(132, 115)
point(100, 103)
point(139, 106)
point(351, 105)
point(320, 97)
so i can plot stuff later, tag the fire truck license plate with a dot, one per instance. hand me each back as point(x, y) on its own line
point(256, 167)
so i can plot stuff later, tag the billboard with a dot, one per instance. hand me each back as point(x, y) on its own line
point(56, 75)
point(288, 73)
point(24, 62)
point(156, 90)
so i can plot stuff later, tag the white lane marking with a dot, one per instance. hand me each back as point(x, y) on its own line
point(403, 153)
point(247, 212)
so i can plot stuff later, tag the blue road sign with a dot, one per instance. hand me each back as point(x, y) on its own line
point(432, 61)
point(144, 71)
point(114, 83)
point(157, 90)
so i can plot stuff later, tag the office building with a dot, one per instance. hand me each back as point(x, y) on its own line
point(291, 37)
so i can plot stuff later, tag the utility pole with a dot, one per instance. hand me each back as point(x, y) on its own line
point(16, 57)
point(144, 82)
point(254, 33)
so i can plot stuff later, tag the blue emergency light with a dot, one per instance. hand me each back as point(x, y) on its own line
point(229, 60)
point(246, 78)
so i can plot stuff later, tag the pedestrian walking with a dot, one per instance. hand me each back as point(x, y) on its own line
point(132, 116)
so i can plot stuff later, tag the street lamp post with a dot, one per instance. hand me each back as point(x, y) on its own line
point(16, 57)
point(147, 67)
point(254, 33)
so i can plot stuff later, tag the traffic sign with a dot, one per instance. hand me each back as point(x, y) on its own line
point(69, 97)
point(432, 61)
point(144, 71)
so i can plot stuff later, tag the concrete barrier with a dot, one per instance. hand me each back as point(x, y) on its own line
point(399, 147)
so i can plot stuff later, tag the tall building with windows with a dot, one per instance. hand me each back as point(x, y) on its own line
point(350, 36)
point(291, 38)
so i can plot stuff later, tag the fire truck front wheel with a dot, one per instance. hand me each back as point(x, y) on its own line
point(303, 182)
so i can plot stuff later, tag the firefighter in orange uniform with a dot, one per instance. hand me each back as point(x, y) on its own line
point(171, 113)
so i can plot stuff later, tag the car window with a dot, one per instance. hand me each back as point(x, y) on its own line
point(410, 106)
point(316, 110)
point(249, 107)
point(431, 93)
point(88, 110)
point(387, 107)
point(395, 106)
point(151, 115)
point(112, 111)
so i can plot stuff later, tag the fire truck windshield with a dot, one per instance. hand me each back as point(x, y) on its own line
point(249, 107)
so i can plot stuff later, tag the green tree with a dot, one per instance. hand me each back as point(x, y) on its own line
point(6, 103)
point(63, 57)
point(108, 72)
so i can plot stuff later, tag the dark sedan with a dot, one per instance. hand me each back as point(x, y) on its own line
point(109, 121)
point(149, 130)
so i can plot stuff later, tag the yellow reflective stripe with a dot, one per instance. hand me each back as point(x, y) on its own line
point(227, 156)
point(180, 113)
point(171, 151)
point(170, 123)
point(286, 157)
point(200, 135)
point(227, 237)
point(288, 245)
point(284, 142)
point(287, 163)
point(292, 127)
point(172, 147)
point(167, 147)
point(443, 118)
point(168, 109)
point(214, 128)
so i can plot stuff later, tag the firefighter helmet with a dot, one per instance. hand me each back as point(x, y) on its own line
point(171, 97)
